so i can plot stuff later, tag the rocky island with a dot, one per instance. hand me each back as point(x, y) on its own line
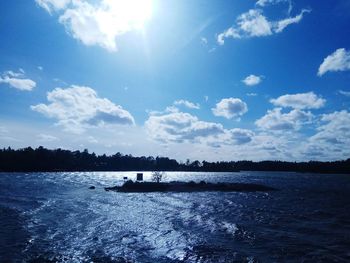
point(139, 187)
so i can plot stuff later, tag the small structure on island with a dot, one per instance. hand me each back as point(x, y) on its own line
point(139, 176)
point(125, 178)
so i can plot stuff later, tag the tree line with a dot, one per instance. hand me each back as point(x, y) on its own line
point(46, 160)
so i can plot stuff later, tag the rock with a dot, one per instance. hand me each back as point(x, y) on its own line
point(92, 187)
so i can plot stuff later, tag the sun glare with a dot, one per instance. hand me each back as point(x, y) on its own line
point(130, 13)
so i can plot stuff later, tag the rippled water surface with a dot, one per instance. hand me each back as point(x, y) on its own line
point(55, 217)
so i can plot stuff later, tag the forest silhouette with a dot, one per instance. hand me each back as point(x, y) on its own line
point(46, 160)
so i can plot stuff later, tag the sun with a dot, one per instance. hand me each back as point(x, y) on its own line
point(129, 13)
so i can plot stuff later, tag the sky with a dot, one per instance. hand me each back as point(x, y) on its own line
point(187, 79)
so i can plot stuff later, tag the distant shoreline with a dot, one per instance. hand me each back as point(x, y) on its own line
point(165, 171)
point(59, 160)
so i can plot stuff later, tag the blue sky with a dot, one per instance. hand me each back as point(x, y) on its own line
point(214, 80)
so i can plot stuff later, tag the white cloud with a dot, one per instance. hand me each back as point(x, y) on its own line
point(17, 80)
point(307, 100)
point(230, 32)
point(337, 61)
point(252, 80)
point(180, 127)
point(344, 92)
point(335, 129)
point(282, 24)
point(77, 108)
point(275, 120)
point(264, 3)
point(241, 136)
point(21, 84)
point(187, 104)
point(312, 151)
point(100, 23)
point(331, 139)
point(13, 74)
point(274, 146)
point(254, 24)
point(250, 24)
point(230, 108)
point(53, 5)
point(85, 23)
point(168, 109)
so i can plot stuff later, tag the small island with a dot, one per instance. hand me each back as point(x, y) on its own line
point(175, 186)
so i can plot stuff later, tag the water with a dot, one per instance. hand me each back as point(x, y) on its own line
point(54, 217)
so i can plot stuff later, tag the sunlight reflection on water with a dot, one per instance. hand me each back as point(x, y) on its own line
point(65, 221)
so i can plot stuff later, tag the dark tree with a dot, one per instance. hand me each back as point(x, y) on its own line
point(45, 160)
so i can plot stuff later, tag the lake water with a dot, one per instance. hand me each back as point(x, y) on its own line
point(54, 217)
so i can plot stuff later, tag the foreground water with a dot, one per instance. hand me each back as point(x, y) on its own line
point(49, 217)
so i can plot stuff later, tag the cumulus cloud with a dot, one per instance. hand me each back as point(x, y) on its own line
point(230, 108)
point(335, 129)
point(241, 136)
point(180, 126)
point(17, 80)
point(187, 104)
point(101, 22)
point(254, 24)
point(275, 120)
point(307, 100)
point(249, 24)
point(252, 80)
point(288, 122)
point(183, 127)
point(77, 108)
point(331, 137)
point(337, 61)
